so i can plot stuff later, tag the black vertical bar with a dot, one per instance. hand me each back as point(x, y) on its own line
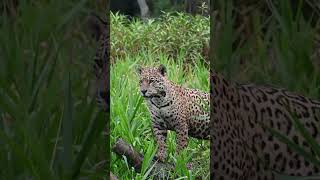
point(211, 57)
point(107, 56)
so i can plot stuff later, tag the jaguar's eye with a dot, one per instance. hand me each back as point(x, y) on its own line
point(151, 80)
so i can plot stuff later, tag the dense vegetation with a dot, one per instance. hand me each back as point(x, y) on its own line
point(50, 127)
point(170, 40)
point(171, 34)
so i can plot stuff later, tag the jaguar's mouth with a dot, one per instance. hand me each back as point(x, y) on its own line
point(161, 94)
point(150, 96)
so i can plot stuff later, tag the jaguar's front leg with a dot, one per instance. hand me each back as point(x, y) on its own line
point(160, 134)
point(182, 135)
point(182, 138)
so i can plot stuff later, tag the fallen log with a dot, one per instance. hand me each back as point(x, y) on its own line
point(160, 170)
point(135, 159)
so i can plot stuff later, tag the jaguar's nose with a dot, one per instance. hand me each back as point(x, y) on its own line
point(143, 92)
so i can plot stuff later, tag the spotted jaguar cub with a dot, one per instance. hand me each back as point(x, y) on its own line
point(173, 107)
point(242, 147)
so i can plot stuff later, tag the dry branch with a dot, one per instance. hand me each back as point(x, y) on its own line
point(135, 159)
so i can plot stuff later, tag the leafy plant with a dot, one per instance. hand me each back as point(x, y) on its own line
point(169, 34)
point(49, 125)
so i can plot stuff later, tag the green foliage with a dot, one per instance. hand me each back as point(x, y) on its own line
point(171, 34)
point(279, 51)
point(166, 6)
point(49, 125)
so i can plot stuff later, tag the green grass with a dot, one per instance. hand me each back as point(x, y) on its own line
point(50, 127)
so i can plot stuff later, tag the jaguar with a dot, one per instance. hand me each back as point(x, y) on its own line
point(242, 116)
point(173, 107)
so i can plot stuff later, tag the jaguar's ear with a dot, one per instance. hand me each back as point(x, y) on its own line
point(139, 69)
point(162, 69)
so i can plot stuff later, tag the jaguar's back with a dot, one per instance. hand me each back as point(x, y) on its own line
point(242, 146)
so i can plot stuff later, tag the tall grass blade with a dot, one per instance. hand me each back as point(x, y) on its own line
point(40, 80)
point(69, 15)
point(8, 105)
point(67, 127)
point(300, 150)
point(94, 131)
point(315, 146)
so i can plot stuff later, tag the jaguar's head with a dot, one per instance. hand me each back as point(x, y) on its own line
point(152, 81)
